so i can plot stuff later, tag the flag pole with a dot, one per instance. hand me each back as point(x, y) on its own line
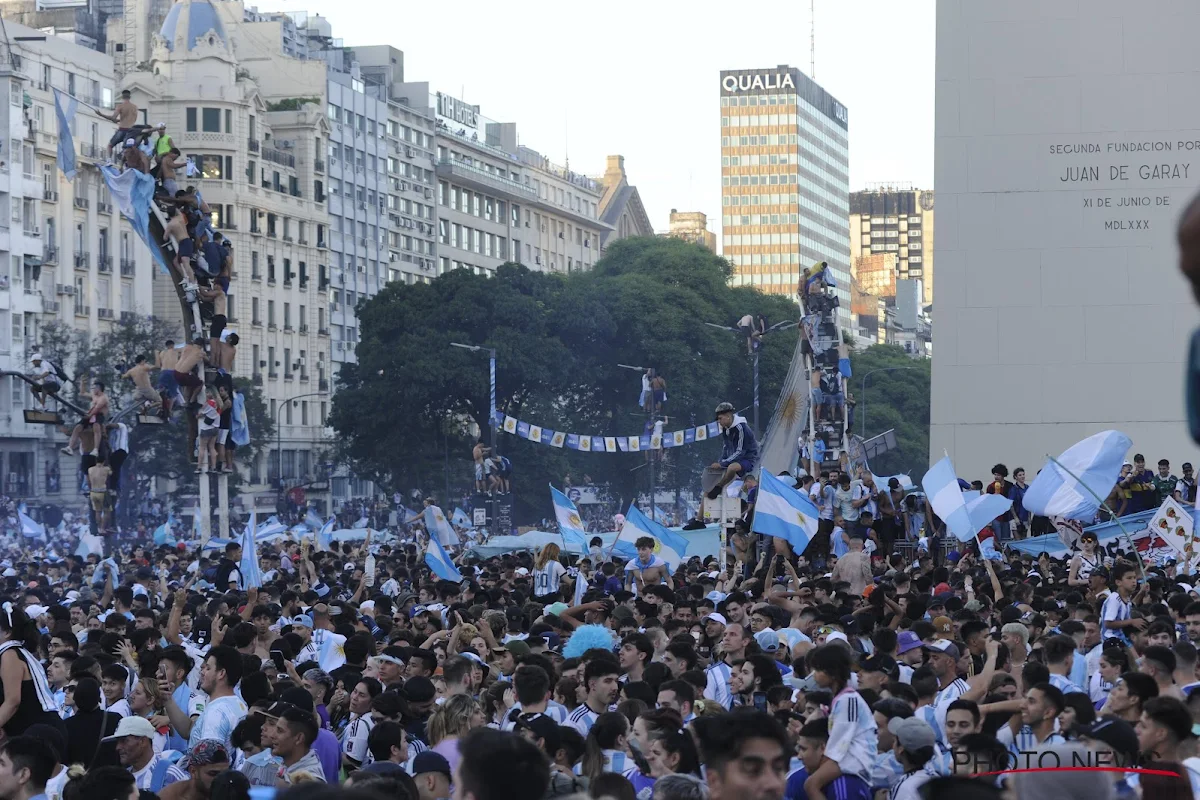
point(1105, 506)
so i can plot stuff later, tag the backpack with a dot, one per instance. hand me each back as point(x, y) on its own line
point(60, 372)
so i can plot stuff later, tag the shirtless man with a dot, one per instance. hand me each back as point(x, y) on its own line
point(143, 392)
point(216, 295)
point(125, 115)
point(658, 385)
point(647, 569)
point(165, 360)
point(478, 453)
point(185, 367)
point(98, 491)
point(135, 158)
point(167, 165)
point(185, 248)
point(223, 354)
point(94, 420)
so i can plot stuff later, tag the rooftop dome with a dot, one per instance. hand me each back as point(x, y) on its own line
point(188, 20)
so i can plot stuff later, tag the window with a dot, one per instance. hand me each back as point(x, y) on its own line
point(210, 120)
point(255, 359)
point(190, 116)
point(228, 121)
point(255, 318)
point(270, 312)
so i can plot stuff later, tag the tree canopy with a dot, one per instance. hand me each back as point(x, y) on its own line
point(897, 396)
point(405, 413)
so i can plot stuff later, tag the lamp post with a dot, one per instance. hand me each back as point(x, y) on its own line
point(491, 351)
point(778, 326)
point(866, 375)
point(279, 431)
point(650, 417)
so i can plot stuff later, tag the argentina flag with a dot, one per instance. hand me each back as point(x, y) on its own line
point(671, 546)
point(784, 513)
point(438, 560)
point(570, 525)
point(64, 108)
point(1084, 473)
point(251, 574)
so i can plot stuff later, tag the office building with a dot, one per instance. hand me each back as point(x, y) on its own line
point(66, 254)
point(875, 273)
point(784, 180)
point(498, 201)
point(81, 22)
point(692, 226)
point(896, 221)
point(260, 149)
point(621, 206)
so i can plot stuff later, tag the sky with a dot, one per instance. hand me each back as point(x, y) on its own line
point(642, 78)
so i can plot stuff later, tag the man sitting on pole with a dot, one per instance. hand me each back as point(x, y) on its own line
point(739, 449)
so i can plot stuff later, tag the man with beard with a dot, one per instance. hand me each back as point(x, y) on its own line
point(600, 681)
point(207, 759)
point(135, 748)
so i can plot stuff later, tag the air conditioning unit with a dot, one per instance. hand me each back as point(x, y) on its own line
point(262, 363)
point(341, 345)
point(408, 151)
point(361, 268)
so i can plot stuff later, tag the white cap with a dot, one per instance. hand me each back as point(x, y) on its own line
point(715, 617)
point(35, 611)
point(132, 726)
point(836, 636)
point(522, 571)
point(130, 142)
point(161, 125)
point(36, 357)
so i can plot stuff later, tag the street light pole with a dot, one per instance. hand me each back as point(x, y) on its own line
point(279, 432)
point(491, 351)
point(779, 326)
point(866, 375)
point(650, 455)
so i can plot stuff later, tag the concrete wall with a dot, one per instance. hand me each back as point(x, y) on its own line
point(1060, 311)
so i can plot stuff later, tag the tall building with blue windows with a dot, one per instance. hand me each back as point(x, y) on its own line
point(785, 180)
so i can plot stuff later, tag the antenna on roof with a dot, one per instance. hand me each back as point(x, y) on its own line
point(812, 40)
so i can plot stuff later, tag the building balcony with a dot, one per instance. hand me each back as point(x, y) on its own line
point(83, 311)
point(256, 275)
point(50, 255)
point(128, 316)
point(254, 145)
point(323, 385)
point(104, 313)
point(321, 245)
point(91, 151)
point(322, 331)
point(281, 157)
point(50, 306)
point(104, 263)
point(34, 232)
point(82, 261)
point(81, 202)
point(303, 330)
point(479, 178)
point(318, 166)
point(49, 195)
point(256, 322)
point(288, 238)
point(104, 208)
point(127, 268)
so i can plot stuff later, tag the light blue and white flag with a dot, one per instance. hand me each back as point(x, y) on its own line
point(362, 522)
point(251, 574)
point(29, 527)
point(65, 107)
point(460, 519)
point(785, 513)
point(570, 525)
point(407, 516)
point(1096, 461)
point(987, 549)
point(313, 521)
point(439, 527)
point(965, 514)
point(271, 529)
point(133, 192)
point(90, 544)
point(438, 560)
point(325, 536)
point(670, 546)
point(165, 533)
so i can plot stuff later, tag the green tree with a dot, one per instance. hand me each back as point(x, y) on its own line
point(406, 411)
point(897, 397)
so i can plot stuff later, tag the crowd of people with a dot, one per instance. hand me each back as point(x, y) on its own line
point(546, 675)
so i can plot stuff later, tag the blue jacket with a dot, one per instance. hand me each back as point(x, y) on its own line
point(738, 443)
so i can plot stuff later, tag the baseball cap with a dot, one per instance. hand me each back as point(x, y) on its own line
point(879, 663)
point(517, 647)
point(161, 125)
point(768, 640)
point(552, 640)
point(942, 588)
point(912, 733)
point(907, 640)
point(622, 613)
point(943, 625)
point(276, 709)
point(132, 726)
point(429, 761)
point(1114, 732)
point(419, 689)
point(303, 620)
point(543, 727)
point(556, 608)
point(836, 636)
point(130, 142)
point(715, 617)
point(943, 646)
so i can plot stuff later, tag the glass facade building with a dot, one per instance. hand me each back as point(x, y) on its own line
point(785, 181)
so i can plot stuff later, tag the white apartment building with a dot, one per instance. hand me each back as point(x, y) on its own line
point(71, 257)
point(260, 153)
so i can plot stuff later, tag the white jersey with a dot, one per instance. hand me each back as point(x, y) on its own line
point(1063, 684)
point(547, 579)
point(718, 687)
point(354, 738)
point(941, 703)
point(853, 735)
point(1114, 610)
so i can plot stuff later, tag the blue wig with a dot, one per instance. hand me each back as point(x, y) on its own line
point(588, 637)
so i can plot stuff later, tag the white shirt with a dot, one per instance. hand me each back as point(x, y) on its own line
point(853, 735)
point(546, 580)
point(1114, 610)
point(118, 437)
point(354, 739)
